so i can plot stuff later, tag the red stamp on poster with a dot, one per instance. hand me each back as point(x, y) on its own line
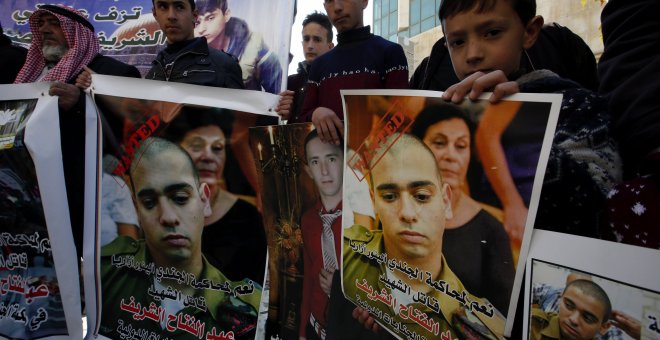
point(374, 147)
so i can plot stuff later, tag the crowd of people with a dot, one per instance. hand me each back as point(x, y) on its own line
point(604, 158)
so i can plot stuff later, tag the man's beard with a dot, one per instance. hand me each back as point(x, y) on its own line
point(53, 54)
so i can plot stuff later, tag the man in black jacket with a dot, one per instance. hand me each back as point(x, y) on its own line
point(12, 58)
point(187, 59)
point(63, 43)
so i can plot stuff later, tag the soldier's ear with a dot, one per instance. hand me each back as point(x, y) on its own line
point(604, 327)
point(446, 199)
point(205, 194)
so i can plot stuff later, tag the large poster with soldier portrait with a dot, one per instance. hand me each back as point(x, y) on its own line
point(181, 246)
point(129, 32)
point(37, 253)
point(590, 289)
point(453, 195)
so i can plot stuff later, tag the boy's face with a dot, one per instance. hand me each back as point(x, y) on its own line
point(176, 18)
point(211, 25)
point(345, 14)
point(488, 41)
point(315, 41)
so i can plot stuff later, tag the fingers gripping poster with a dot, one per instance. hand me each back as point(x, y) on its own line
point(438, 257)
point(37, 253)
point(182, 245)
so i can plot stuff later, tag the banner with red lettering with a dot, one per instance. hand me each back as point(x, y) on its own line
point(128, 32)
point(181, 245)
point(433, 252)
point(38, 258)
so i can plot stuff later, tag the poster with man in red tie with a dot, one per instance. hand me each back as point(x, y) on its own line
point(302, 180)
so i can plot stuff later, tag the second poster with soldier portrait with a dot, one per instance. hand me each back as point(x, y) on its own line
point(181, 246)
point(453, 191)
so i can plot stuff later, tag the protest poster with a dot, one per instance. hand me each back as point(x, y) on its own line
point(437, 261)
point(572, 282)
point(128, 32)
point(38, 257)
point(301, 179)
point(186, 256)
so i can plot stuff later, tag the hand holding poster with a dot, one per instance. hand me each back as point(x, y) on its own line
point(198, 270)
point(438, 262)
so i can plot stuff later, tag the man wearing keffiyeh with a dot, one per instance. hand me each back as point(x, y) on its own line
point(63, 44)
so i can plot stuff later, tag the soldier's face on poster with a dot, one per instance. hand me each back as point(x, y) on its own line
point(206, 146)
point(171, 207)
point(580, 315)
point(411, 203)
point(325, 166)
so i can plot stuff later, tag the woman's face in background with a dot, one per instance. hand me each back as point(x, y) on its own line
point(206, 146)
point(450, 142)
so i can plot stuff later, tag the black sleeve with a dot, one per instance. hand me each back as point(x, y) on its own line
point(233, 73)
point(563, 52)
point(580, 60)
point(418, 76)
point(629, 69)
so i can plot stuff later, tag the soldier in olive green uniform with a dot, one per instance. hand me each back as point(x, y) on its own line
point(453, 314)
point(132, 276)
point(162, 286)
point(399, 273)
point(584, 313)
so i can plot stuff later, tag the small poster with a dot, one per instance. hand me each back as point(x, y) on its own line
point(182, 247)
point(302, 182)
point(37, 254)
point(591, 289)
point(453, 190)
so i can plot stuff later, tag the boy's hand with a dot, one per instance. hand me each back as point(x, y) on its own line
point(479, 82)
point(327, 123)
point(283, 107)
point(363, 317)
